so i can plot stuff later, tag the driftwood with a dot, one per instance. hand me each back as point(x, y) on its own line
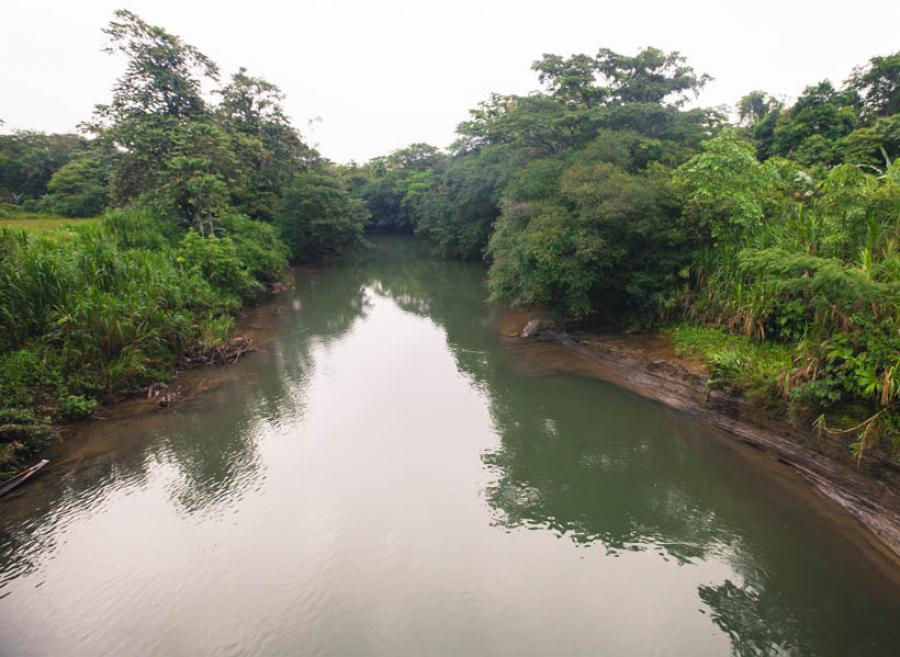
point(226, 352)
point(22, 477)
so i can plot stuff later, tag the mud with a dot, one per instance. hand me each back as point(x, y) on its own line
point(648, 366)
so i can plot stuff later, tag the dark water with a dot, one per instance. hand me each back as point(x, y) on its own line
point(387, 478)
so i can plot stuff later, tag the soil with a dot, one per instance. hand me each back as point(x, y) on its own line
point(647, 365)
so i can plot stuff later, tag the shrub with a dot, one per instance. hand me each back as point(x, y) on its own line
point(101, 310)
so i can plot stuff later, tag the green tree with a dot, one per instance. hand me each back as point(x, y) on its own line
point(264, 140)
point(157, 95)
point(317, 216)
point(754, 107)
point(28, 160)
point(878, 86)
point(651, 76)
point(80, 188)
point(876, 144)
point(810, 131)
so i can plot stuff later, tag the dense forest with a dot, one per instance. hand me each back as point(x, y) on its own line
point(763, 241)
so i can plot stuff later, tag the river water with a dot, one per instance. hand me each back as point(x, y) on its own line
point(387, 476)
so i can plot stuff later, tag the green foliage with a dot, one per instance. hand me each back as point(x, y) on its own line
point(810, 130)
point(878, 86)
point(459, 217)
point(215, 259)
point(734, 361)
point(875, 145)
point(79, 189)
point(77, 406)
point(651, 76)
point(605, 239)
point(28, 160)
point(259, 247)
point(94, 312)
point(265, 144)
point(755, 106)
point(198, 176)
point(394, 188)
point(318, 217)
point(805, 261)
point(725, 189)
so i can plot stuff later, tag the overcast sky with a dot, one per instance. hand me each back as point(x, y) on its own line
point(365, 77)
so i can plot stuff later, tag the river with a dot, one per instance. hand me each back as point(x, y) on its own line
point(388, 476)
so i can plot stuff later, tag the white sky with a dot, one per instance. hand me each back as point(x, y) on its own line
point(385, 73)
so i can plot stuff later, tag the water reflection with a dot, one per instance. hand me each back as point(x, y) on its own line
point(590, 463)
point(633, 488)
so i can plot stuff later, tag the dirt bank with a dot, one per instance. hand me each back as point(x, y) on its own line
point(256, 325)
point(648, 366)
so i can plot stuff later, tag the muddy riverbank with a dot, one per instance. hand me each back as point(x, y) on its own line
point(648, 365)
point(258, 325)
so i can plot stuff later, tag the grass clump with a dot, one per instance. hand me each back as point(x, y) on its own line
point(735, 362)
point(97, 312)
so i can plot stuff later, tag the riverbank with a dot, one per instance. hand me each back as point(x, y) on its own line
point(89, 443)
point(99, 313)
point(649, 366)
point(387, 445)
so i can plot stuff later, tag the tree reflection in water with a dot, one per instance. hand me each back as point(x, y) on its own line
point(582, 459)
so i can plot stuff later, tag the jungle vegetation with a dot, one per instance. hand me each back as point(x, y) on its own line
point(203, 201)
point(766, 241)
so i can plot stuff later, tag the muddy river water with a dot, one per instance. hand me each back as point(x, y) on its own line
point(388, 476)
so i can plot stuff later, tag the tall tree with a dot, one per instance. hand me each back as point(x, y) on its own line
point(811, 129)
point(265, 141)
point(160, 90)
point(163, 76)
point(878, 86)
point(754, 106)
point(651, 76)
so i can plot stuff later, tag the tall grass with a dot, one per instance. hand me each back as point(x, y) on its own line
point(96, 311)
point(811, 262)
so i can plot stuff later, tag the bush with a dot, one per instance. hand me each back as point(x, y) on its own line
point(318, 217)
point(79, 189)
point(807, 259)
point(98, 311)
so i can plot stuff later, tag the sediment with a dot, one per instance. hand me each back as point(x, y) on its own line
point(648, 366)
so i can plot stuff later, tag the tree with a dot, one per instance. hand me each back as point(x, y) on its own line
point(651, 76)
point(810, 131)
point(754, 107)
point(603, 238)
point(28, 160)
point(80, 188)
point(200, 177)
point(877, 144)
point(159, 92)
point(878, 86)
point(394, 187)
point(163, 76)
point(572, 80)
point(318, 217)
point(270, 148)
